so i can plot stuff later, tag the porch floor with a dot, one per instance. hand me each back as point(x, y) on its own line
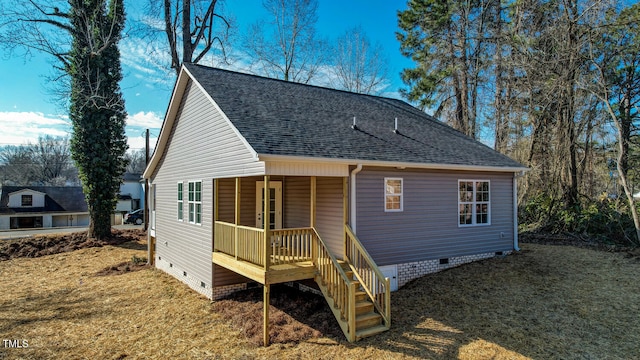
point(276, 274)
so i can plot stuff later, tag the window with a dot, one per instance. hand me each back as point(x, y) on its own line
point(195, 202)
point(180, 202)
point(27, 200)
point(473, 202)
point(392, 194)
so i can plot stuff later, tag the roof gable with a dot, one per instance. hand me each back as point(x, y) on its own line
point(26, 191)
point(284, 118)
point(279, 118)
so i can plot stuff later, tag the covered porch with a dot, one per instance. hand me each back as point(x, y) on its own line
point(275, 229)
point(281, 246)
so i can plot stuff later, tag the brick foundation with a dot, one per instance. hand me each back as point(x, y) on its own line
point(414, 270)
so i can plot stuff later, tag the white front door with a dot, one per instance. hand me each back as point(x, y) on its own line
point(275, 206)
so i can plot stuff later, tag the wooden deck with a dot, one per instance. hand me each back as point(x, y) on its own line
point(356, 290)
point(282, 255)
point(291, 271)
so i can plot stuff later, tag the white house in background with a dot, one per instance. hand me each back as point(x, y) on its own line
point(131, 193)
point(23, 207)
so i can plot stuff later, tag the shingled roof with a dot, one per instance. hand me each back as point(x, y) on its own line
point(291, 119)
point(57, 199)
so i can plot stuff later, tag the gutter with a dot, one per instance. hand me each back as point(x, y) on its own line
point(352, 200)
point(515, 209)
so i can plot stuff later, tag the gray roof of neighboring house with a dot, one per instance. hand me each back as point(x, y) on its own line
point(57, 199)
point(285, 118)
point(132, 177)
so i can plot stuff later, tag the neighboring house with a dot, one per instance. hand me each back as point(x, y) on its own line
point(363, 193)
point(24, 207)
point(131, 195)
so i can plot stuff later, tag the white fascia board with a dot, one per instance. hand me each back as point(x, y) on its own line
point(456, 167)
point(27, 190)
point(167, 123)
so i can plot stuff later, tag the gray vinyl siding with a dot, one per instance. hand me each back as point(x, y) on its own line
point(191, 155)
point(297, 202)
point(329, 221)
point(428, 226)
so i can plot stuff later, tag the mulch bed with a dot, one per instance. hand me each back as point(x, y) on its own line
point(59, 243)
point(294, 315)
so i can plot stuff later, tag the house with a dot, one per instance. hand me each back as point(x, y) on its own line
point(361, 193)
point(131, 196)
point(42, 207)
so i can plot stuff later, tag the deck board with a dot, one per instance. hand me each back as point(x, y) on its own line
point(276, 274)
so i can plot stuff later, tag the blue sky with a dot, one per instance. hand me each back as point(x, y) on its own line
point(28, 110)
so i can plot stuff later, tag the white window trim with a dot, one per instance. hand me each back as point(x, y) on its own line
point(180, 202)
point(401, 194)
point(474, 203)
point(194, 202)
point(22, 197)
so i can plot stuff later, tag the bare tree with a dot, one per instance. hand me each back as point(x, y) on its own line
point(615, 56)
point(137, 161)
point(82, 36)
point(192, 29)
point(290, 49)
point(17, 166)
point(47, 162)
point(359, 66)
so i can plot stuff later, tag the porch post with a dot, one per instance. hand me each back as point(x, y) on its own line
point(237, 216)
point(265, 219)
point(215, 200)
point(265, 315)
point(215, 212)
point(345, 214)
point(312, 221)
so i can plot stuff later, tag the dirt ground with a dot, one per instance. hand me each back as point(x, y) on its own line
point(545, 302)
point(58, 243)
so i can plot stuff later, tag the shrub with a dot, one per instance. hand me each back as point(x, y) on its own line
point(604, 220)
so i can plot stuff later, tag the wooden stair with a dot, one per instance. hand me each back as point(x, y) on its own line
point(368, 321)
point(359, 310)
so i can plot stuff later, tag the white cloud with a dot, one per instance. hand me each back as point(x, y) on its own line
point(23, 127)
point(147, 120)
point(146, 61)
point(20, 128)
point(138, 142)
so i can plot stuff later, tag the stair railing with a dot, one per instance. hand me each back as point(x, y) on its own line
point(336, 285)
point(367, 272)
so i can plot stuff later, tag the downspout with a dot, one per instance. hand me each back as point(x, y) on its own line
point(515, 210)
point(352, 200)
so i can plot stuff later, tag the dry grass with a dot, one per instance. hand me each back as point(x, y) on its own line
point(546, 302)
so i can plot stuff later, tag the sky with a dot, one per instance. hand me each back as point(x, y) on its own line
point(29, 110)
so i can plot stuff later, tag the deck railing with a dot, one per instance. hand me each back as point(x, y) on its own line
point(367, 272)
point(336, 285)
point(291, 245)
point(287, 245)
point(242, 242)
